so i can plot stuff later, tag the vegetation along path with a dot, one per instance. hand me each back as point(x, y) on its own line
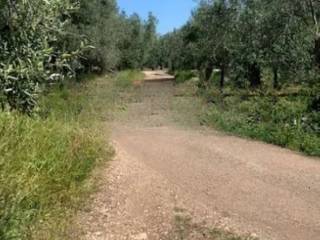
point(172, 181)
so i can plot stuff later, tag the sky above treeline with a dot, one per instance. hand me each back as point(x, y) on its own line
point(171, 14)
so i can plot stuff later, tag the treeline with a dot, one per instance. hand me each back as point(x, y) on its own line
point(45, 42)
point(245, 38)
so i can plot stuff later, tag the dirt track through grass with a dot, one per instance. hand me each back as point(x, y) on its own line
point(175, 181)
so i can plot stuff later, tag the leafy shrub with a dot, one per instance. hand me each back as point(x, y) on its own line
point(31, 52)
point(183, 76)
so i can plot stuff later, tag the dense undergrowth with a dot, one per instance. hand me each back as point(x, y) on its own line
point(284, 121)
point(183, 76)
point(288, 117)
point(46, 160)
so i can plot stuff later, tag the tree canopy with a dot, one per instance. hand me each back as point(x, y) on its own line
point(43, 42)
point(244, 37)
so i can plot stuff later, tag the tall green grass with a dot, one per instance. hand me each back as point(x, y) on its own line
point(46, 160)
point(284, 121)
point(43, 166)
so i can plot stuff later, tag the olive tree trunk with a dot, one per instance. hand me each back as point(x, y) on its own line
point(254, 75)
point(275, 78)
point(317, 51)
point(222, 76)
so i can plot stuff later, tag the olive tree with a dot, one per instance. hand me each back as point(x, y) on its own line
point(214, 23)
point(30, 52)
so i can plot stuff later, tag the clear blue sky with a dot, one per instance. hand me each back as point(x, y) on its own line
point(170, 13)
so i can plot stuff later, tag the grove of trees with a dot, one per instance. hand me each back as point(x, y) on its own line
point(243, 38)
point(44, 42)
point(258, 67)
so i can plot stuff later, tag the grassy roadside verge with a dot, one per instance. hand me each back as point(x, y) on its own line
point(284, 121)
point(290, 120)
point(46, 160)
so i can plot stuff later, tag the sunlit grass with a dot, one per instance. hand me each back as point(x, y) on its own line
point(46, 160)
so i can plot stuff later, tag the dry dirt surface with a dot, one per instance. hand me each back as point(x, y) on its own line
point(157, 75)
point(169, 182)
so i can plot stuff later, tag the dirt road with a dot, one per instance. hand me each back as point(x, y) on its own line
point(173, 182)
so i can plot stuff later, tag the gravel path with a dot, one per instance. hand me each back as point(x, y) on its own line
point(162, 172)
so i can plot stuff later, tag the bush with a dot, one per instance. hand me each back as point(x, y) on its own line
point(32, 54)
point(183, 76)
